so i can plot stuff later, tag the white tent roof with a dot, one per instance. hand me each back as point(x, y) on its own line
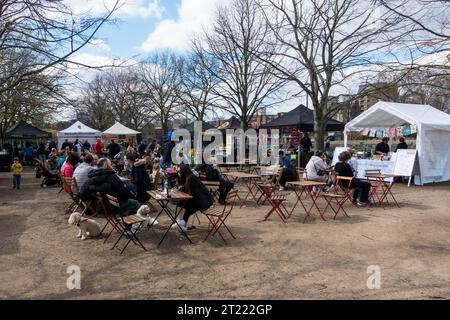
point(78, 128)
point(120, 129)
point(391, 114)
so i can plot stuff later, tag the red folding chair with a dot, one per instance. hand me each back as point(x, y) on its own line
point(120, 222)
point(338, 199)
point(346, 190)
point(110, 220)
point(276, 201)
point(217, 216)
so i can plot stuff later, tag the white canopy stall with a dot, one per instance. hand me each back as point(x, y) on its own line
point(120, 132)
point(78, 131)
point(433, 134)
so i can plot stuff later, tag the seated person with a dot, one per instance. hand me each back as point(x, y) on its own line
point(52, 162)
point(362, 188)
point(288, 173)
point(81, 173)
point(157, 175)
point(315, 168)
point(202, 199)
point(382, 148)
point(68, 168)
point(106, 181)
point(139, 178)
point(212, 174)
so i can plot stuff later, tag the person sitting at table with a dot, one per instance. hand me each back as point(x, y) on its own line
point(286, 165)
point(401, 145)
point(69, 166)
point(202, 199)
point(140, 180)
point(106, 181)
point(81, 173)
point(212, 174)
point(316, 168)
point(362, 188)
point(382, 148)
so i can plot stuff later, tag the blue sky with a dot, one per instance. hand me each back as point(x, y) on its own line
point(146, 25)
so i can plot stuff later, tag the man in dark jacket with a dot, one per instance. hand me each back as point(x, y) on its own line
point(105, 180)
point(113, 149)
point(140, 178)
point(168, 152)
point(141, 149)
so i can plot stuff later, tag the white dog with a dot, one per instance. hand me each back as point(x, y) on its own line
point(86, 227)
point(144, 212)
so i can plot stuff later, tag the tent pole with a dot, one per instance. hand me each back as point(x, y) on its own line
point(345, 139)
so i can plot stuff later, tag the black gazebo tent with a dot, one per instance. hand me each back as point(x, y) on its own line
point(25, 131)
point(205, 126)
point(303, 119)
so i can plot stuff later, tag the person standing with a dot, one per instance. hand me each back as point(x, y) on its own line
point(16, 170)
point(401, 145)
point(28, 154)
point(42, 154)
point(306, 143)
point(78, 147)
point(382, 148)
point(98, 147)
point(86, 145)
point(113, 149)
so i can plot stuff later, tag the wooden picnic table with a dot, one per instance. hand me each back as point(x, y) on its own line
point(164, 200)
point(306, 187)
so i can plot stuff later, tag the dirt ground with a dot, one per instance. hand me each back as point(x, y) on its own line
point(269, 259)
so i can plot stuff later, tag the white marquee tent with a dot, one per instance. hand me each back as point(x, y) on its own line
point(79, 131)
point(119, 131)
point(433, 134)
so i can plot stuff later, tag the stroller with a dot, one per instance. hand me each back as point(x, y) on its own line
point(49, 179)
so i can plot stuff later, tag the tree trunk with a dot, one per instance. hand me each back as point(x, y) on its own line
point(319, 134)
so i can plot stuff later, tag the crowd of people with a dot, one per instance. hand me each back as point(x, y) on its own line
point(128, 171)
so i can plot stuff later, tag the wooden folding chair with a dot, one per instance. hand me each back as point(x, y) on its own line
point(217, 216)
point(67, 184)
point(347, 191)
point(121, 223)
point(276, 200)
point(339, 199)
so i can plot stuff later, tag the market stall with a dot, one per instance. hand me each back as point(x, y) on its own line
point(431, 126)
point(78, 131)
point(119, 132)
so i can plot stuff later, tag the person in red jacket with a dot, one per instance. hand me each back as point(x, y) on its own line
point(98, 147)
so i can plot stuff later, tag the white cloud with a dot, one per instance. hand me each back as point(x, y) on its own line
point(131, 8)
point(175, 34)
point(100, 44)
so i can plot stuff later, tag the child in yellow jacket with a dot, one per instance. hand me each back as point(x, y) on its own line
point(16, 170)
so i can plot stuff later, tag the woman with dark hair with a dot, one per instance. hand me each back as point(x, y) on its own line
point(362, 188)
point(69, 166)
point(202, 199)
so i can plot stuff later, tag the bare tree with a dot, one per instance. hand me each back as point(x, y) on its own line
point(47, 29)
point(246, 83)
point(198, 85)
point(35, 99)
point(114, 95)
point(324, 43)
point(160, 75)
